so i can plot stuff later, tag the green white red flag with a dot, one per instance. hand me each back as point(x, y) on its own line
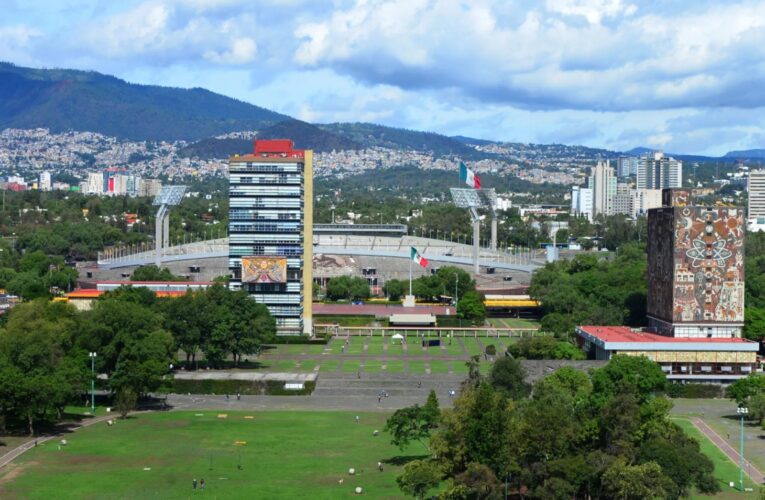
point(419, 259)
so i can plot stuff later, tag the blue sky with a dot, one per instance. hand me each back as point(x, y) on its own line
point(685, 76)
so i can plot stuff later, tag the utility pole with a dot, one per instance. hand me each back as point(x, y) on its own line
point(742, 411)
point(93, 382)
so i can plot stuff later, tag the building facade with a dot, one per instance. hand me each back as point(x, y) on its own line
point(756, 189)
point(626, 166)
point(581, 202)
point(695, 268)
point(45, 183)
point(656, 171)
point(602, 181)
point(271, 231)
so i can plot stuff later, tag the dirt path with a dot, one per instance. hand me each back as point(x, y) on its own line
point(718, 441)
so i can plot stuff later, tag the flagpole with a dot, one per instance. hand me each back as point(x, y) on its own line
point(410, 275)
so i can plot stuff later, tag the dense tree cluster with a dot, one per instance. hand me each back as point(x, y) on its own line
point(446, 281)
point(44, 346)
point(592, 290)
point(604, 435)
point(154, 273)
point(545, 348)
point(35, 275)
point(347, 287)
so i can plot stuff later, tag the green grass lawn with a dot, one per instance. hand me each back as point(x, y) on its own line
point(514, 322)
point(725, 469)
point(328, 366)
point(472, 346)
point(395, 366)
point(286, 455)
point(455, 349)
point(372, 366)
point(307, 365)
point(375, 346)
point(355, 346)
point(439, 367)
point(459, 367)
point(314, 349)
point(416, 367)
point(283, 365)
point(351, 366)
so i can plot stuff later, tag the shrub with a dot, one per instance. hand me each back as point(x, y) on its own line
point(491, 350)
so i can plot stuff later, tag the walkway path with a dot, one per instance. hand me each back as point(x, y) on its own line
point(726, 448)
point(68, 427)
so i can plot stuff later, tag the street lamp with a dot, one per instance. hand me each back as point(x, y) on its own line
point(92, 356)
point(742, 411)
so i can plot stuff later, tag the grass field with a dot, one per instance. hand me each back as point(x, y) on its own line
point(286, 455)
point(725, 469)
point(439, 367)
point(328, 366)
point(416, 367)
point(514, 322)
point(395, 366)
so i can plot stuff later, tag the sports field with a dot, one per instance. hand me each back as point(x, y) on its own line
point(271, 455)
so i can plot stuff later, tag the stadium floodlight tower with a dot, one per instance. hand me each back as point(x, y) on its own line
point(168, 196)
point(473, 199)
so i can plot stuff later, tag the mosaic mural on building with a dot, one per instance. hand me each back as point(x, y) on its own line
point(707, 259)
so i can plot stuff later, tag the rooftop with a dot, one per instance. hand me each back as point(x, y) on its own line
point(625, 334)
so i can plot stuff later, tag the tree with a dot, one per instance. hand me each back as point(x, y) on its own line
point(418, 477)
point(471, 307)
point(431, 413)
point(347, 287)
point(508, 376)
point(744, 388)
point(623, 372)
point(412, 423)
point(544, 348)
point(756, 407)
point(126, 401)
point(153, 273)
point(634, 482)
point(394, 289)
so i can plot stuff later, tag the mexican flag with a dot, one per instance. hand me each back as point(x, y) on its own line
point(419, 259)
point(468, 177)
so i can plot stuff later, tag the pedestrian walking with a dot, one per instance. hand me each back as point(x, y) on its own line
point(379, 398)
point(419, 384)
point(358, 374)
point(226, 397)
point(238, 396)
point(379, 466)
point(202, 484)
point(357, 419)
point(194, 483)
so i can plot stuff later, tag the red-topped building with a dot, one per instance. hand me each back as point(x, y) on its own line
point(695, 296)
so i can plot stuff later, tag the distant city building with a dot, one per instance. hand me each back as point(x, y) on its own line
point(656, 171)
point(149, 187)
point(756, 189)
point(15, 179)
point(622, 201)
point(695, 296)
point(581, 202)
point(602, 181)
point(503, 203)
point(644, 200)
point(45, 182)
point(271, 231)
point(626, 166)
point(133, 185)
point(95, 183)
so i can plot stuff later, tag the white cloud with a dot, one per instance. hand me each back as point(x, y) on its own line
point(243, 50)
point(16, 43)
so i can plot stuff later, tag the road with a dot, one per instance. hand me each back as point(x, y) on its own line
point(726, 448)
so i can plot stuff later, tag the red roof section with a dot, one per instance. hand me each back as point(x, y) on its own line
point(138, 283)
point(277, 148)
point(94, 294)
point(625, 334)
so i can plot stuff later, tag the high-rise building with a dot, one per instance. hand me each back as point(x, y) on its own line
point(149, 187)
point(581, 202)
point(133, 185)
point(756, 189)
point(45, 183)
point(621, 202)
point(695, 268)
point(95, 183)
point(656, 171)
point(271, 231)
point(602, 181)
point(626, 166)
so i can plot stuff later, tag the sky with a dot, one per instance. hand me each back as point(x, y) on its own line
point(683, 76)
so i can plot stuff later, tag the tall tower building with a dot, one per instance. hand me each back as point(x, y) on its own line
point(95, 183)
point(581, 202)
point(602, 181)
point(626, 166)
point(695, 268)
point(756, 188)
point(656, 171)
point(271, 231)
point(45, 183)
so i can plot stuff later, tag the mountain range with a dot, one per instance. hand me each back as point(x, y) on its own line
point(62, 100)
